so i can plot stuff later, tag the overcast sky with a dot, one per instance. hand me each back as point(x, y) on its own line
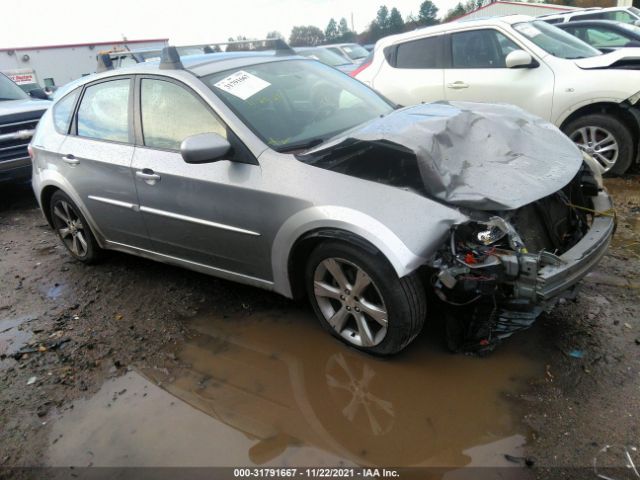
point(46, 22)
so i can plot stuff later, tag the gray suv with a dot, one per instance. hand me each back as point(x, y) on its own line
point(19, 115)
point(283, 173)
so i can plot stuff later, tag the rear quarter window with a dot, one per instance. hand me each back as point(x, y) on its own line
point(63, 110)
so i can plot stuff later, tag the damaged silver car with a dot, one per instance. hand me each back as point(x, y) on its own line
point(283, 173)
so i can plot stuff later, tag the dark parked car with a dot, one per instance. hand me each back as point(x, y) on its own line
point(604, 35)
point(19, 114)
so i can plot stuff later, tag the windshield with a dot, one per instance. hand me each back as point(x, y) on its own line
point(9, 90)
point(325, 56)
point(355, 51)
point(555, 41)
point(296, 104)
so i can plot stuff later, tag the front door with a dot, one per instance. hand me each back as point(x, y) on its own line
point(478, 73)
point(204, 213)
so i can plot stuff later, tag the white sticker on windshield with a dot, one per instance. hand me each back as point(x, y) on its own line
point(242, 84)
point(529, 30)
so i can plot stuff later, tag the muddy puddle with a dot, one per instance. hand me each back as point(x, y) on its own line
point(272, 388)
point(626, 196)
point(13, 335)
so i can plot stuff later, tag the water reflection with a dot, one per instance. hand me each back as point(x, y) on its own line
point(282, 381)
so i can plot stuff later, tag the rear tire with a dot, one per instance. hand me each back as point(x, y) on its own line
point(73, 229)
point(358, 297)
point(606, 138)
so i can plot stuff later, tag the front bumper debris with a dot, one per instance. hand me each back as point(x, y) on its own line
point(499, 288)
point(542, 280)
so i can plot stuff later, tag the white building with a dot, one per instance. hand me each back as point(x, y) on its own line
point(55, 65)
point(500, 8)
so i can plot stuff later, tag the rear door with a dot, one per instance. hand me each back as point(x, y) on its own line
point(476, 72)
point(96, 159)
point(204, 213)
point(413, 71)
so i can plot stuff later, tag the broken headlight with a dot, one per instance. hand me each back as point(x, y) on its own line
point(480, 254)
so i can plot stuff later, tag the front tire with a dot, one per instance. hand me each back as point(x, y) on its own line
point(606, 138)
point(72, 228)
point(358, 297)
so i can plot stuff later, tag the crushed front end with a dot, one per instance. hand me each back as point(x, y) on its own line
point(500, 271)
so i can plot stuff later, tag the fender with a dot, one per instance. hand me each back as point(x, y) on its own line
point(560, 119)
point(403, 260)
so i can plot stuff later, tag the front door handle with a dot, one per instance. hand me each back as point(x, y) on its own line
point(148, 175)
point(70, 159)
point(457, 85)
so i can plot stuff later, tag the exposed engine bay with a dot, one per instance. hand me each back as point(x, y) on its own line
point(482, 271)
point(530, 194)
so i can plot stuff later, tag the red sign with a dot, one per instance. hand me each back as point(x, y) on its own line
point(22, 78)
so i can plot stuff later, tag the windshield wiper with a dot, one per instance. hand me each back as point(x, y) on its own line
point(307, 144)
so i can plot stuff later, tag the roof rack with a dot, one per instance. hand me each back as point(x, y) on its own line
point(170, 55)
point(569, 12)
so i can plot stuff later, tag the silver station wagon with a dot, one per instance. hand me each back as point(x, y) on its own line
point(280, 172)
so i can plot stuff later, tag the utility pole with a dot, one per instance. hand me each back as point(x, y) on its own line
point(352, 28)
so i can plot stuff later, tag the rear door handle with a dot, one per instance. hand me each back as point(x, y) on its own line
point(457, 85)
point(70, 159)
point(148, 175)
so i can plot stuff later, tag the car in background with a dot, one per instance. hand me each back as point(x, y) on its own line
point(351, 51)
point(19, 114)
point(327, 57)
point(618, 14)
point(591, 96)
point(605, 35)
point(281, 172)
point(369, 47)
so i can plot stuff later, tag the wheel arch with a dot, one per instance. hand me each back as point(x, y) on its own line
point(625, 112)
point(306, 229)
point(52, 182)
point(304, 245)
point(45, 201)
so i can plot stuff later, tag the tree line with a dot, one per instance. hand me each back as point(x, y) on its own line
point(390, 21)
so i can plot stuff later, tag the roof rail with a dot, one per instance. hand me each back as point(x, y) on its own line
point(170, 56)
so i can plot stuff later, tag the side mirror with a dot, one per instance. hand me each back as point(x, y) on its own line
point(39, 93)
point(204, 148)
point(520, 59)
point(637, 23)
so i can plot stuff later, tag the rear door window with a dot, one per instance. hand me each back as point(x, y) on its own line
point(423, 53)
point(103, 113)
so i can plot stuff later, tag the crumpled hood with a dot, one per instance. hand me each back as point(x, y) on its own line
point(476, 155)
point(625, 55)
point(10, 107)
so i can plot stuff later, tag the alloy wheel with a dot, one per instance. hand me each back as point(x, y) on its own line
point(350, 302)
point(70, 228)
point(599, 143)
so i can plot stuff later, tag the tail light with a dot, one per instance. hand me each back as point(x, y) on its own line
point(30, 150)
point(360, 69)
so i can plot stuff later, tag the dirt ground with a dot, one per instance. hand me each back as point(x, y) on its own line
point(97, 362)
